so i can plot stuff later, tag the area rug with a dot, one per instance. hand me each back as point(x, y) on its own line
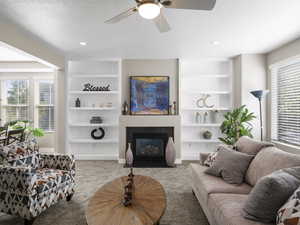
point(182, 206)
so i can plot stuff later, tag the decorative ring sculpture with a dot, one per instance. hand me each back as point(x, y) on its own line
point(100, 136)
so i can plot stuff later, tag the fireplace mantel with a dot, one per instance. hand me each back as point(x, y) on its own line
point(149, 121)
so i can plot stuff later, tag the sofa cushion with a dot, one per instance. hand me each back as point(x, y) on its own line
point(289, 213)
point(269, 160)
point(227, 209)
point(207, 184)
point(230, 165)
point(211, 157)
point(270, 193)
point(250, 146)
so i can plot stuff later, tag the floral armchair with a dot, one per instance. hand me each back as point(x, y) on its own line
point(31, 182)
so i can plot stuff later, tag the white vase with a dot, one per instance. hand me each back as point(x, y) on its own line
point(129, 155)
point(170, 153)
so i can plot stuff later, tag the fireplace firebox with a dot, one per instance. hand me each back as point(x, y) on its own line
point(149, 145)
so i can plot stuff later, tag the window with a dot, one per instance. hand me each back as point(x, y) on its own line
point(46, 105)
point(15, 101)
point(286, 104)
point(31, 98)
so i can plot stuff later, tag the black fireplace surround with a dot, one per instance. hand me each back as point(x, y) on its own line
point(148, 145)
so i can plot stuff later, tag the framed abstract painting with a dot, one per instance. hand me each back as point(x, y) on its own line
point(149, 95)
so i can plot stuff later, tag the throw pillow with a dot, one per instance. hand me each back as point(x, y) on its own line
point(289, 213)
point(270, 193)
point(230, 165)
point(211, 157)
point(250, 146)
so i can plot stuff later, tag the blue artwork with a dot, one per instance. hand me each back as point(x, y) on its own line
point(149, 95)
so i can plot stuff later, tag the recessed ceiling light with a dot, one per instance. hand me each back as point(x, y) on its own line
point(83, 43)
point(215, 43)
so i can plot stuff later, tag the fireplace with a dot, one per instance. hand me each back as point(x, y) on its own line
point(149, 145)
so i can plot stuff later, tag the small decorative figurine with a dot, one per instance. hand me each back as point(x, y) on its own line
point(128, 189)
point(205, 117)
point(170, 110)
point(198, 117)
point(174, 108)
point(125, 110)
point(201, 102)
point(77, 103)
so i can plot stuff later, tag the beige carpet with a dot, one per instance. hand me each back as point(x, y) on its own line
point(182, 207)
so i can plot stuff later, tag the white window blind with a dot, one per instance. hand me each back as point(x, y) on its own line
point(286, 104)
point(15, 101)
point(46, 105)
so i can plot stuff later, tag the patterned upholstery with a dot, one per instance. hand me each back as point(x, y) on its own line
point(289, 213)
point(31, 182)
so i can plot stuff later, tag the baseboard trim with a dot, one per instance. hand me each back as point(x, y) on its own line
point(177, 161)
point(96, 157)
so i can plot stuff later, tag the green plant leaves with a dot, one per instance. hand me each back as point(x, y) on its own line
point(236, 124)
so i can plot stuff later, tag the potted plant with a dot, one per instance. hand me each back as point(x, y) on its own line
point(28, 130)
point(236, 124)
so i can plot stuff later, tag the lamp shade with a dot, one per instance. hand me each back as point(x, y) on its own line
point(259, 93)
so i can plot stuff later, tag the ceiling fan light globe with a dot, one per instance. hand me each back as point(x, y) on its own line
point(149, 11)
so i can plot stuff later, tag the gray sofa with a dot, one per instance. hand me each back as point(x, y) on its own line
point(222, 202)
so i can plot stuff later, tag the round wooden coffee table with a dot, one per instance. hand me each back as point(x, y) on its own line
point(148, 203)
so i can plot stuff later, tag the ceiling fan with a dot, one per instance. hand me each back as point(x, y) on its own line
point(152, 10)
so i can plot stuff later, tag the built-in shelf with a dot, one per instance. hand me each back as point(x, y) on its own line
point(199, 77)
point(93, 124)
point(201, 141)
point(206, 109)
point(93, 108)
point(201, 125)
point(91, 141)
point(106, 104)
point(97, 76)
point(94, 92)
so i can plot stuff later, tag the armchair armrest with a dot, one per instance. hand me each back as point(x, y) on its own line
point(18, 180)
point(61, 162)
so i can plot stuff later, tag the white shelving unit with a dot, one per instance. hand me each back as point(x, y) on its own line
point(106, 104)
point(198, 78)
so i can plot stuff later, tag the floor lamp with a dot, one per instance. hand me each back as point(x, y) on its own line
point(259, 94)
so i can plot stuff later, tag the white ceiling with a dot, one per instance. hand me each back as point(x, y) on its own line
point(241, 26)
point(7, 54)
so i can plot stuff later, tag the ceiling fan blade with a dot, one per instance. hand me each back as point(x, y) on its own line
point(162, 23)
point(189, 4)
point(122, 16)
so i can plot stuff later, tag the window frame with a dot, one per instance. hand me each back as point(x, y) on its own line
point(4, 103)
point(33, 96)
point(37, 104)
point(274, 68)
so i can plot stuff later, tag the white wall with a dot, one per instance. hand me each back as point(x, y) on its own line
point(249, 75)
point(150, 67)
point(289, 50)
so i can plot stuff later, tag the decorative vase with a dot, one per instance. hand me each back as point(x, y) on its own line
point(77, 103)
point(207, 135)
point(129, 156)
point(198, 117)
point(170, 153)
